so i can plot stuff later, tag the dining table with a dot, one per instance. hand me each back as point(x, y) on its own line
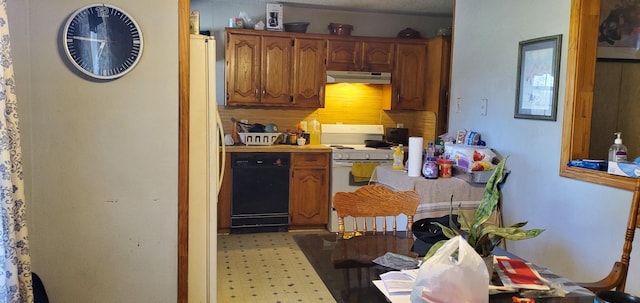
point(352, 280)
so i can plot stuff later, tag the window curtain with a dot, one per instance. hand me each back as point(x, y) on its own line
point(15, 262)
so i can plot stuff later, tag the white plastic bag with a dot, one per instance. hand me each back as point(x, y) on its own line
point(443, 279)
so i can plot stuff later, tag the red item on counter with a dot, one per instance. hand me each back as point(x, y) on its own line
point(515, 299)
point(445, 167)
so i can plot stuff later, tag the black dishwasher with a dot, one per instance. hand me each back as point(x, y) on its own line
point(260, 192)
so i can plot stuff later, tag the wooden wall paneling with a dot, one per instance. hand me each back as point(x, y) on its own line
point(605, 104)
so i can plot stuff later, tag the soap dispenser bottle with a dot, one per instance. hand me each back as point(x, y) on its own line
point(617, 151)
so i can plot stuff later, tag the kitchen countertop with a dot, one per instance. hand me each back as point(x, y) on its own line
point(308, 148)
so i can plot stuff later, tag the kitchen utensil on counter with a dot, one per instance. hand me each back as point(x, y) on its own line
point(377, 143)
point(340, 29)
point(228, 140)
point(242, 127)
point(271, 128)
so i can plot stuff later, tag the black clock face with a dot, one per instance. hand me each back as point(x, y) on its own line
point(102, 41)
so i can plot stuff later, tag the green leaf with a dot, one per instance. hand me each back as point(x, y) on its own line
point(433, 250)
point(511, 233)
point(482, 236)
point(450, 233)
point(490, 197)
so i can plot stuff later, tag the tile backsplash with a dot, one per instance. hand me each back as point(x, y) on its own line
point(344, 103)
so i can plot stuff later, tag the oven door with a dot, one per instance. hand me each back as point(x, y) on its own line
point(340, 171)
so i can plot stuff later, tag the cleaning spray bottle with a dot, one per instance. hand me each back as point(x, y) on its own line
point(617, 151)
point(398, 158)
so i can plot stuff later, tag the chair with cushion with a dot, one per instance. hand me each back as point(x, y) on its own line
point(617, 278)
point(372, 238)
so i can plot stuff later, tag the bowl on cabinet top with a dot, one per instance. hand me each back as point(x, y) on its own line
point(296, 27)
point(340, 29)
point(409, 33)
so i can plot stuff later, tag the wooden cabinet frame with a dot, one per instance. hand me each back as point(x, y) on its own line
point(581, 62)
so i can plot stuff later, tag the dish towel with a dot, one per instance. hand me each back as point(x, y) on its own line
point(362, 171)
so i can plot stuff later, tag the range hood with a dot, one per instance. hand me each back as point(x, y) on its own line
point(358, 77)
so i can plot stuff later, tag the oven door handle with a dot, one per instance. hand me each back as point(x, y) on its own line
point(342, 164)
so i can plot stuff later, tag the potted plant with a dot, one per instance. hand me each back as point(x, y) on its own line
point(480, 234)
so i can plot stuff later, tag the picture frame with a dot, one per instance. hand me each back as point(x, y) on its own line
point(618, 37)
point(538, 78)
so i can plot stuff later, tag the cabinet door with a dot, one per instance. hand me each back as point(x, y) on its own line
point(378, 56)
point(409, 77)
point(309, 197)
point(309, 190)
point(243, 69)
point(437, 80)
point(309, 73)
point(276, 71)
point(343, 55)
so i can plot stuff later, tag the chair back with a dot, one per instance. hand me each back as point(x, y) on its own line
point(375, 201)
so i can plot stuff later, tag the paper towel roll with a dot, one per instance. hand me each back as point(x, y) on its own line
point(414, 163)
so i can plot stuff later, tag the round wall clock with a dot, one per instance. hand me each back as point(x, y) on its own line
point(102, 41)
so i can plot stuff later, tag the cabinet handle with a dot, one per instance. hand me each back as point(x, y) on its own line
point(256, 93)
point(398, 96)
point(264, 92)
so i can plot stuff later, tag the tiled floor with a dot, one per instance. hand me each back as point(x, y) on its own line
point(266, 268)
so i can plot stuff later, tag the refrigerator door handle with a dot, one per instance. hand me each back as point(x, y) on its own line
point(223, 152)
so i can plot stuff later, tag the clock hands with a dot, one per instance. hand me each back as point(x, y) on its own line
point(89, 39)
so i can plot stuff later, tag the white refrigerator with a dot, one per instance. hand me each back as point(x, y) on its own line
point(205, 175)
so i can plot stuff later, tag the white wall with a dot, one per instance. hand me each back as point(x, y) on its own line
point(584, 222)
point(101, 159)
point(215, 14)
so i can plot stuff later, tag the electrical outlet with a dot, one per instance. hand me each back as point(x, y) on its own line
point(483, 107)
point(458, 105)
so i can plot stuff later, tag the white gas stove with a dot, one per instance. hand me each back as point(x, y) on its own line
point(349, 149)
point(348, 141)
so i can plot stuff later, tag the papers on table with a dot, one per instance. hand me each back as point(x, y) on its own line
point(515, 274)
point(518, 274)
point(399, 281)
point(393, 297)
point(397, 285)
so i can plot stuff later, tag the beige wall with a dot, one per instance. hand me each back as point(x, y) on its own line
point(100, 158)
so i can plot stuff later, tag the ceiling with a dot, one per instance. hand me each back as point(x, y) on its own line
point(413, 7)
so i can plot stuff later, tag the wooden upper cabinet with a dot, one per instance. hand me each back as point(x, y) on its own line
point(309, 74)
point(258, 70)
point(243, 56)
point(342, 55)
point(378, 56)
point(358, 55)
point(408, 78)
point(274, 69)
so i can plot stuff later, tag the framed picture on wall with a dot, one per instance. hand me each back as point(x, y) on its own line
point(619, 31)
point(537, 85)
